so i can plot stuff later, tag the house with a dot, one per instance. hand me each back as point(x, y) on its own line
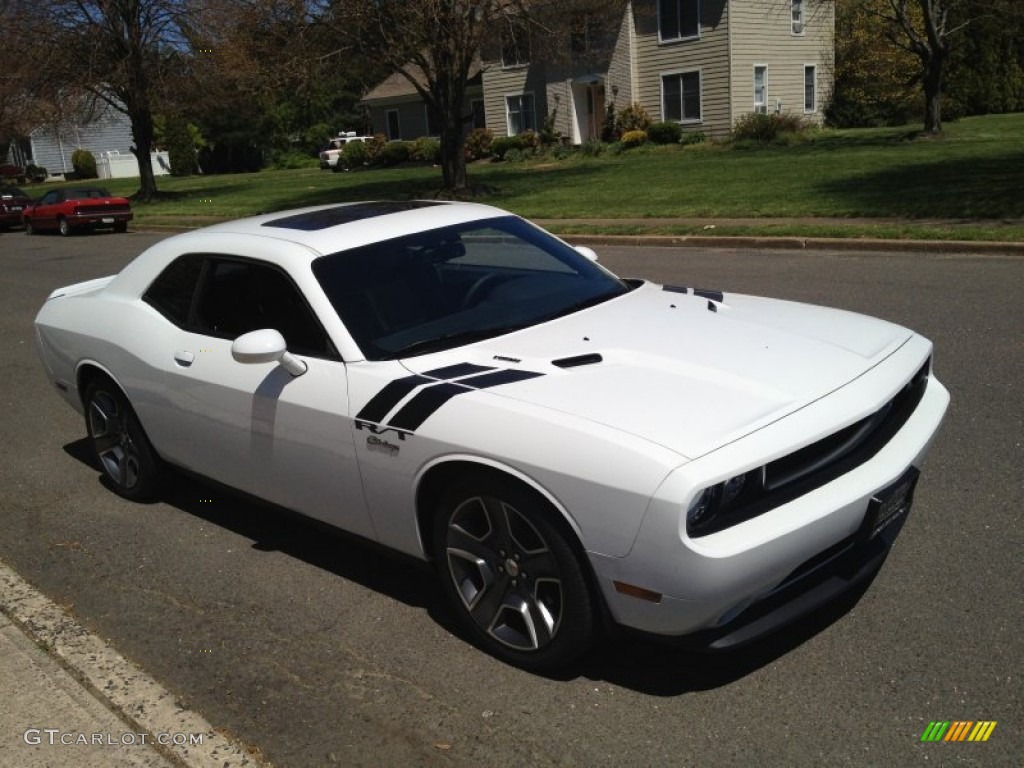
point(701, 63)
point(397, 110)
point(108, 135)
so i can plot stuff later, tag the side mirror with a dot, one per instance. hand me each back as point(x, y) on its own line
point(590, 253)
point(266, 346)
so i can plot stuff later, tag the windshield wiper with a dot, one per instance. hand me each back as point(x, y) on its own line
point(449, 340)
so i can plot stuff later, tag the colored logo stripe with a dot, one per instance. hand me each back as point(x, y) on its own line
point(958, 730)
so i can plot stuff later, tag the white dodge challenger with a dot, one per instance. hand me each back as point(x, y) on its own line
point(570, 449)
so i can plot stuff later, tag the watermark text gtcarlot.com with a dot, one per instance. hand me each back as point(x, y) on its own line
point(57, 737)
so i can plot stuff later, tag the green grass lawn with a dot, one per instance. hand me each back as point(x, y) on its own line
point(971, 178)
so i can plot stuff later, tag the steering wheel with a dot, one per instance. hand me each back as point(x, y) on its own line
point(480, 289)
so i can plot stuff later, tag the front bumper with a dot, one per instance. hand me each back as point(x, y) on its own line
point(730, 587)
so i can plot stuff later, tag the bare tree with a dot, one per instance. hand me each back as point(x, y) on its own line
point(436, 45)
point(119, 52)
point(925, 28)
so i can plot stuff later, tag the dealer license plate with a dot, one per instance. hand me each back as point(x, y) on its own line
point(107, 219)
point(890, 504)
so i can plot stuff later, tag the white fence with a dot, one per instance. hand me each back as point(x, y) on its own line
point(114, 165)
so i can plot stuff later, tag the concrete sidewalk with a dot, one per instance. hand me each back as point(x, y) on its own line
point(67, 699)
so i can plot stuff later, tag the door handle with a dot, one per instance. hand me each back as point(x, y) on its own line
point(184, 358)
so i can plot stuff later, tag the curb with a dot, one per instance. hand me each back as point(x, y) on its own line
point(981, 247)
point(90, 665)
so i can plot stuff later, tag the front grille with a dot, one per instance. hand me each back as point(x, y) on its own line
point(821, 462)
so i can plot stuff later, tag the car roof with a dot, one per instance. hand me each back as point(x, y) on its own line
point(294, 239)
point(329, 229)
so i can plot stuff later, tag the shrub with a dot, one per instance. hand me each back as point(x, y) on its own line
point(633, 139)
point(501, 146)
point(766, 128)
point(478, 143)
point(665, 133)
point(425, 150)
point(279, 161)
point(592, 148)
point(561, 152)
point(528, 139)
point(693, 137)
point(548, 133)
point(182, 152)
point(8, 172)
point(374, 148)
point(35, 173)
point(616, 148)
point(608, 133)
point(394, 152)
point(632, 118)
point(355, 154)
point(84, 164)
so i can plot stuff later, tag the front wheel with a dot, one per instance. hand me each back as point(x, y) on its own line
point(511, 575)
point(128, 460)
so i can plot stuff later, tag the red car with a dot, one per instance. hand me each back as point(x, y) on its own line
point(77, 208)
point(12, 203)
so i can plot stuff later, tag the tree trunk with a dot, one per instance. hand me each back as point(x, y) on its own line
point(142, 132)
point(453, 158)
point(933, 95)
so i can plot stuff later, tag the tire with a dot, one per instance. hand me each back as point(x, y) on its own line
point(119, 443)
point(513, 580)
point(29, 229)
point(121, 227)
point(63, 227)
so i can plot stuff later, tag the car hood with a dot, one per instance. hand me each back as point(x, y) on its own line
point(689, 371)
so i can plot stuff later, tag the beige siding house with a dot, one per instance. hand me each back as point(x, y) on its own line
point(701, 63)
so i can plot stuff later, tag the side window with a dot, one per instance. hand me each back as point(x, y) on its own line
point(49, 198)
point(171, 293)
point(242, 296)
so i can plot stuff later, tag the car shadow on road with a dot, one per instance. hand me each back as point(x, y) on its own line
point(636, 662)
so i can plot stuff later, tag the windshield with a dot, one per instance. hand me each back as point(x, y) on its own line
point(455, 285)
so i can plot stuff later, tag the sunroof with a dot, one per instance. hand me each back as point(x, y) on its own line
point(345, 214)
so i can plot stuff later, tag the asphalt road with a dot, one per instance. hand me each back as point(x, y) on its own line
point(320, 650)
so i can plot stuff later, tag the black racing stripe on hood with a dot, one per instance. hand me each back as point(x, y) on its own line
point(711, 295)
point(457, 370)
point(380, 405)
point(428, 400)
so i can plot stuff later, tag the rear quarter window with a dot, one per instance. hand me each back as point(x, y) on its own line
point(171, 293)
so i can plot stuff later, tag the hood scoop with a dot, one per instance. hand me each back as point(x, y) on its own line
point(577, 360)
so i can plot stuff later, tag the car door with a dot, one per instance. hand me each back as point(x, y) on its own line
point(44, 214)
point(255, 427)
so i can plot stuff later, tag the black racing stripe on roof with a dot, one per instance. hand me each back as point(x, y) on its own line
point(457, 370)
point(346, 214)
point(380, 405)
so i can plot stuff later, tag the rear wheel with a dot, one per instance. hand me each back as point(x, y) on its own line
point(128, 460)
point(121, 226)
point(63, 226)
point(511, 575)
point(29, 229)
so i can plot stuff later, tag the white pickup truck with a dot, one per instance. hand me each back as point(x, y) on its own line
point(330, 156)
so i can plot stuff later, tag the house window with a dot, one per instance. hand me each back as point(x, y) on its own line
point(761, 89)
point(394, 132)
point(521, 115)
point(479, 116)
point(798, 16)
point(681, 97)
point(678, 19)
point(810, 88)
point(515, 45)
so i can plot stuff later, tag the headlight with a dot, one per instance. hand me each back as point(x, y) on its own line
point(717, 501)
